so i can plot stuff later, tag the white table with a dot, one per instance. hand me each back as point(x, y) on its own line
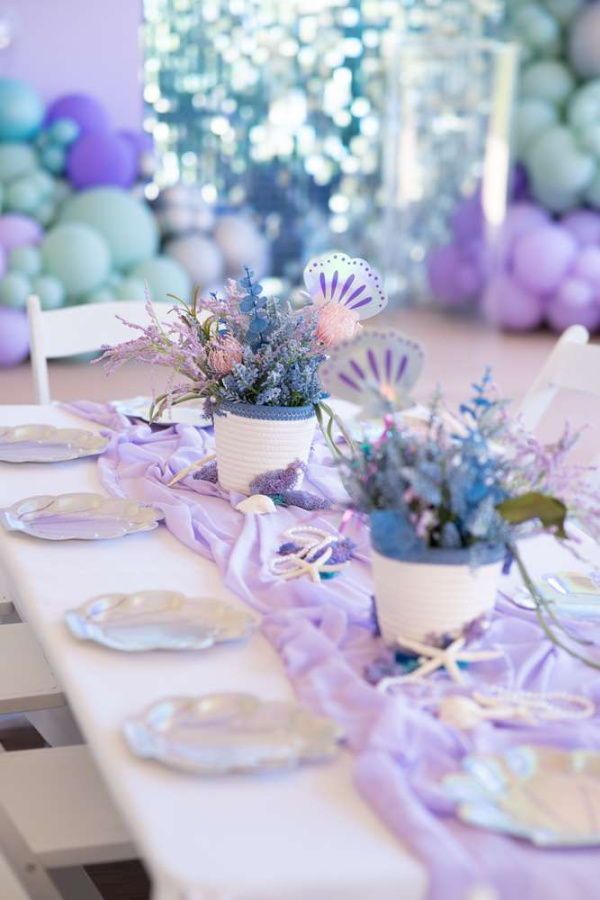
point(304, 835)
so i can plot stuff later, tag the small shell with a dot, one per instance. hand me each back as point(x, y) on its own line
point(259, 504)
point(461, 712)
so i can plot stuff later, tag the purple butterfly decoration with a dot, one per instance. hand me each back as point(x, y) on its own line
point(376, 370)
point(337, 278)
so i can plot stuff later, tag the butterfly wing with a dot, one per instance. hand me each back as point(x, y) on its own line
point(337, 278)
point(376, 370)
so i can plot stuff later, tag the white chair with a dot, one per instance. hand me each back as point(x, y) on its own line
point(67, 332)
point(573, 364)
point(55, 814)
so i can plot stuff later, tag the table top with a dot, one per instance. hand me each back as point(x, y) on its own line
point(300, 835)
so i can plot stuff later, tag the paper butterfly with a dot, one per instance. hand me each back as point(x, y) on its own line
point(336, 278)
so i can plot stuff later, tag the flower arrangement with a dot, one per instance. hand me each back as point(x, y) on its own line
point(245, 347)
point(469, 486)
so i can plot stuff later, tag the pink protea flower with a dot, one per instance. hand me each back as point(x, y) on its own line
point(336, 323)
point(225, 353)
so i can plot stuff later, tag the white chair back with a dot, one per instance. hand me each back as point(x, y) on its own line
point(573, 364)
point(77, 329)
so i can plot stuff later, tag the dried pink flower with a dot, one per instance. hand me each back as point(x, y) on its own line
point(336, 323)
point(224, 354)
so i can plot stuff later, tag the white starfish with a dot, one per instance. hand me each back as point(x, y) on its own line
point(434, 658)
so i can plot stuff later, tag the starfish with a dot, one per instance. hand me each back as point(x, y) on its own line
point(434, 658)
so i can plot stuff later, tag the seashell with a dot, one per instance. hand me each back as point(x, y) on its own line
point(461, 712)
point(259, 504)
point(336, 278)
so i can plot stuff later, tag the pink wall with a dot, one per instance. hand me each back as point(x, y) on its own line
point(92, 46)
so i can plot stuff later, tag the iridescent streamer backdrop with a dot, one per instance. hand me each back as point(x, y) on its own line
point(279, 106)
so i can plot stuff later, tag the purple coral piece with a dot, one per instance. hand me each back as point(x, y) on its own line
point(288, 548)
point(304, 500)
point(278, 481)
point(341, 552)
point(208, 473)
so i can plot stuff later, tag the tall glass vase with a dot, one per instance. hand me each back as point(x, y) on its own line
point(446, 159)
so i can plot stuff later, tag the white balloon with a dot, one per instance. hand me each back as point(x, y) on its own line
point(242, 244)
point(199, 256)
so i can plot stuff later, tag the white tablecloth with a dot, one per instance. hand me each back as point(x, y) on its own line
point(302, 835)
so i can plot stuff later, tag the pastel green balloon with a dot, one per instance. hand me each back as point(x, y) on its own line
point(21, 110)
point(77, 255)
point(27, 260)
point(43, 182)
point(102, 294)
point(584, 106)
point(131, 289)
point(592, 192)
point(588, 138)
point(22, 195)
point(16, 160)
point(50, 290)
point(532, 116)
point(54, 159)
point(114, 279)
point(547, 80)
point(559, 171)
point(14, 289)
point(45, 212)
point(126, 223)
point(535, 26)
point(64, 131)
point(564, 10)
point(1, 197)
point(164, 276)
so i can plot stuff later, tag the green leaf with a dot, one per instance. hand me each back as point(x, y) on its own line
point(549, 510)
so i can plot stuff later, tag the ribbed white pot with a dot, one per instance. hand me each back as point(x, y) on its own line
point(255, 440)
point(421, 600)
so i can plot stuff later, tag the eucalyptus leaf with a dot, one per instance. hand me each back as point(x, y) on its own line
point(550, 511)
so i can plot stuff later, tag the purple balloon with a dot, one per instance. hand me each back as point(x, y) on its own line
point(14, 337)
point(101, 159)
point(584, 225)
point(89, 113)
point(542, 257)
point(574, 303)
point(467, 219)
point(587, 265)
point(444, 265)
point(141, 141)
point(2, 261)
point(507, 304)
point(18, 231)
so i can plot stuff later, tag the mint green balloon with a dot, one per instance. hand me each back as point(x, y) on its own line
point(592, 192)
point(14, 290)
point(584, 106)
point(532, 116)
point(50, 290)
point(22, 195)
point(547, 80)
point(164, 276)
point(77, 255)
point(564, 10)
point(102, 294)
point(126, 223)
point(560, 172)
point(45, 212)
point(27, 260)
point(53, 158)
point(131, 289)
point(21, 110)
point(1, 196)
point(43, 182)
point(16, 160)
point(537, 27)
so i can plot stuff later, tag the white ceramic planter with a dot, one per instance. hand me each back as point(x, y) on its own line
point(254, 440)
point(423, 600)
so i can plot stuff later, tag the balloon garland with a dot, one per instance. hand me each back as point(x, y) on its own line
point(75, 222)
point(547, 268)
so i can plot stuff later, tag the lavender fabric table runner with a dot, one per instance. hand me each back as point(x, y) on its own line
point(325, 636)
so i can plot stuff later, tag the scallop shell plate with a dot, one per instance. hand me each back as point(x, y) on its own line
point(158, 620)
point(46, 444)
point(86, 517)
point(215, 734)
point(550, 797)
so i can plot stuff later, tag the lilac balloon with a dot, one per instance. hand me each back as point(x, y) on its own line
point(542, 257)
point(14, 337)
point(467, 218)
point(101, 159)
point(18, 231)
point(89, 113)
point(140, 141)
point(587, 265)
point(574, 303)
point(443, 268)
point(584, 225)
point(507, 304)
point(3, 256)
